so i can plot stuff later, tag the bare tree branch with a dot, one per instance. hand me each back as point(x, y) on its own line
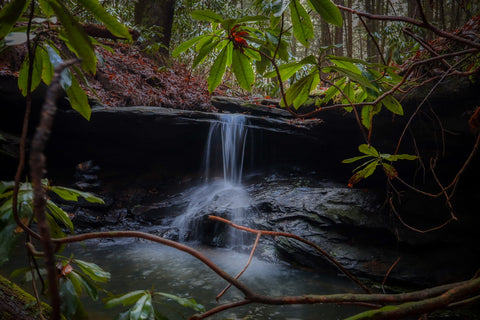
point(38, 170)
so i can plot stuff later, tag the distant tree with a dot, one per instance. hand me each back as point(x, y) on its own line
point(158, 13)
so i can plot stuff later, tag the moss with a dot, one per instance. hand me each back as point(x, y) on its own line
point(17, 303)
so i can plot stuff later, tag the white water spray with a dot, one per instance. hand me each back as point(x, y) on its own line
point(222, 192)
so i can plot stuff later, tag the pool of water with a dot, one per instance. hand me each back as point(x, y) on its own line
point(140, 265)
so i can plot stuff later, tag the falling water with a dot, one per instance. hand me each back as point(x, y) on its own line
point(229, 151)
point(222, 192)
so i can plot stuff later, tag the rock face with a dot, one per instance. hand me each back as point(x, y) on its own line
point(352, 227)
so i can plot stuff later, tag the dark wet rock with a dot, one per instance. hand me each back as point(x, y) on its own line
point(352, 227)
point(85, 219)
point(159, 213)
point(259, 107)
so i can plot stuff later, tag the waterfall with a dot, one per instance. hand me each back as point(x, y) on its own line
point(226, 146)
point(221, 193)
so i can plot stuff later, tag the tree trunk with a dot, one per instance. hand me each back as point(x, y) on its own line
point(326, 37)
point(339, 34)
point(16, 304)
point(371, 49)
point(349, 33)
point(157, 13)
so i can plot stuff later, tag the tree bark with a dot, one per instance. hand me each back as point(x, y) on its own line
point(157, 13)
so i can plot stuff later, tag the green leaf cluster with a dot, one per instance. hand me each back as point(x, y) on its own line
point(56, 217)
point(373, 160)
point(245, 48)
point(73, 285)
point(142, 307)
point(44, 58)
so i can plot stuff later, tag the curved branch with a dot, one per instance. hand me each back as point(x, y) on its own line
point(142, 235)
point(289, 235)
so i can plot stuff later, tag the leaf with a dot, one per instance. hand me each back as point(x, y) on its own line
point(77, 37)
point(78, 99)
point(69, 298)
point(206, 49)
point(393, 105)
point(390, 171)
point(184, 46)
point(252, 54)
point(217, 70)
point(36, 73)
point(72, 194)
point(60, 215)
point(348, 94)
point(126, 299)
point(289, 69)
point(256, 18)
point(366, 149)
point(328, 11)
point(302, 25)
point(343, 63)
point(10, 14)
point(81, 284)
point(190, 303)
point(359, 78)
point(207, 15)
point(396, 157)
point(93, 271)
point(5, 185)
point(45, 7)
point(286, 70)
point(339, 60)
point(47, 67)
point(55, 229)
point(243, 70)
point(55, 60)
point(112, 24)
point(143, 309)
point(8, 237)
point(298, 93)
point(367, 116)
point(350, 160)
point(279, 6)
point(362, 174)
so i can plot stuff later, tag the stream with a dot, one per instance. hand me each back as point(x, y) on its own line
point(139, 265)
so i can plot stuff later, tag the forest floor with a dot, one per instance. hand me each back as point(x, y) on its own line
point(127, 76)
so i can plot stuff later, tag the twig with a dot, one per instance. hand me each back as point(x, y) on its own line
point(418, 108)
point(289, 235)
point(414, 22)
point(415, 229)
point(388, 273)
point(23, 137)
point(425, 44)
point(31, 260)
point(373, 39)
point(244, 268)
point(454, 183)
point(447, 199)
